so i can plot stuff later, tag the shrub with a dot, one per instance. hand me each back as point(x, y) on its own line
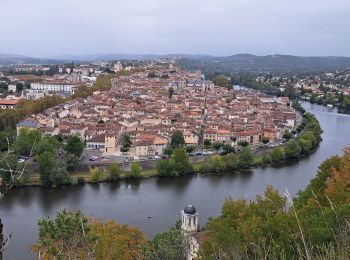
point(80, 180)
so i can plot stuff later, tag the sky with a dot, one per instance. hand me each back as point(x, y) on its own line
point(47, 28)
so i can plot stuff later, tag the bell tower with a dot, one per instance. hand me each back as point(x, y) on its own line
point(189, 219)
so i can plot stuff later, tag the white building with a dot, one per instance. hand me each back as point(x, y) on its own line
point(189, 225)
point(117, 66)
point(53, 87)
point(12, 87)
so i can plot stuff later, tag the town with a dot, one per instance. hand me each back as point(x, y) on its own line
point(150, 104)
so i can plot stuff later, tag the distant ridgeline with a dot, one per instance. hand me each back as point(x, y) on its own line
point(270, 63)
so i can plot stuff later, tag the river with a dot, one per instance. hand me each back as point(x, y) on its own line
point(154, 204)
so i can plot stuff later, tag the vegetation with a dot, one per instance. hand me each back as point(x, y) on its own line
point(177, 139)
point(114, 172)
point(315, 226)
point(135, 170)
point(72, 235)
point(176, 166)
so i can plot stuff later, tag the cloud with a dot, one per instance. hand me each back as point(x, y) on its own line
point(220, 27)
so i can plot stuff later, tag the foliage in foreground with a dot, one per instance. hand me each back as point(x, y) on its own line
point(315, 226)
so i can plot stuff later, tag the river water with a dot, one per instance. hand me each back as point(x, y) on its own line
point(154, 204)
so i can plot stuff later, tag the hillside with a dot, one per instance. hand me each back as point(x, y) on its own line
point(270, 63)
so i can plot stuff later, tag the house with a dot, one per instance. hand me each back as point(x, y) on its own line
point(96, 143)
point(8, 104)
point(27, 123)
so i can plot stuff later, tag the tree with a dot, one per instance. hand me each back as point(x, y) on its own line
point(46, 164)
point(177, 139)
point(207, 143)
point(287, 135)
point(182, 163)
point(231, 161)
point(65, 237)
point(114, 172)
point(116, 241)
point(8, 166)
point(166, 168)
point(169, 245)
point(227, 149)
point(127, 141)
point(168, 151)
point(48, 143)
point(7, 138)
point(292, 150)
point(95, 174)
point(217, 163)
point(72, 161)
point(221, 80)
point(135, 169)
point(243, 143)
point(190, 149)
point(245, 158)
point(266, 159)
point(217, 146)
point(124, 149)
point(25, 141)
point(75, 145)
point(265, 140)
point(171, 92)
point(276, 155)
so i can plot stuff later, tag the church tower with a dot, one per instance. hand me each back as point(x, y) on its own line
point(189, 219)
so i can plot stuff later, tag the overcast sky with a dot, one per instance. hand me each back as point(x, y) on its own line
point(48, 28)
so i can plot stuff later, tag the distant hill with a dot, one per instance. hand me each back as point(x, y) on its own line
point(234, 63)
point(269, 63)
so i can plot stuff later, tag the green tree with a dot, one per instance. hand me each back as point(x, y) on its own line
point(177, 139)
point(166, 168)
point(135, 169)
point(46, 163)
point(8, 166)
point(181, 160)
point(114, 172)
point(75, 145)
point(217, 146)
point(95, 174)
point(276, 155)
point(168, 151)
point(25, 141)
point(266, 159)
point(7, 138)
point(292, 150)
point(207, 143)
point(221, 80)
point(231, 161)
point(47, 143)
point(217, 163)
point(265, 140)
point(243, 143)
point(227, 149)
point(245, 158)
point(190, 149)
point(65, 237)
point(287, 135)
point(169, 245)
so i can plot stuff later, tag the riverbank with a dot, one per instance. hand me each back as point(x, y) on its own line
point(309, 136)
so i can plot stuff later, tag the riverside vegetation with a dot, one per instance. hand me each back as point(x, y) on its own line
point(313, 225)
point(58, 159)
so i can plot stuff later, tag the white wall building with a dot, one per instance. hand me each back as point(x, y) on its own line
point(53, 87)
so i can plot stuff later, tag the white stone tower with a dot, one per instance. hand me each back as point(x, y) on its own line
point(189, 219)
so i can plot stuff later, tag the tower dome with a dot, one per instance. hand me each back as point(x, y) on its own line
point(190, 209)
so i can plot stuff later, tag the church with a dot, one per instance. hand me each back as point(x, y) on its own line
point(189, 225)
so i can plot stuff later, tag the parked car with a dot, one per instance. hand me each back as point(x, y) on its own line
point(93, 158)
point(199, 153)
